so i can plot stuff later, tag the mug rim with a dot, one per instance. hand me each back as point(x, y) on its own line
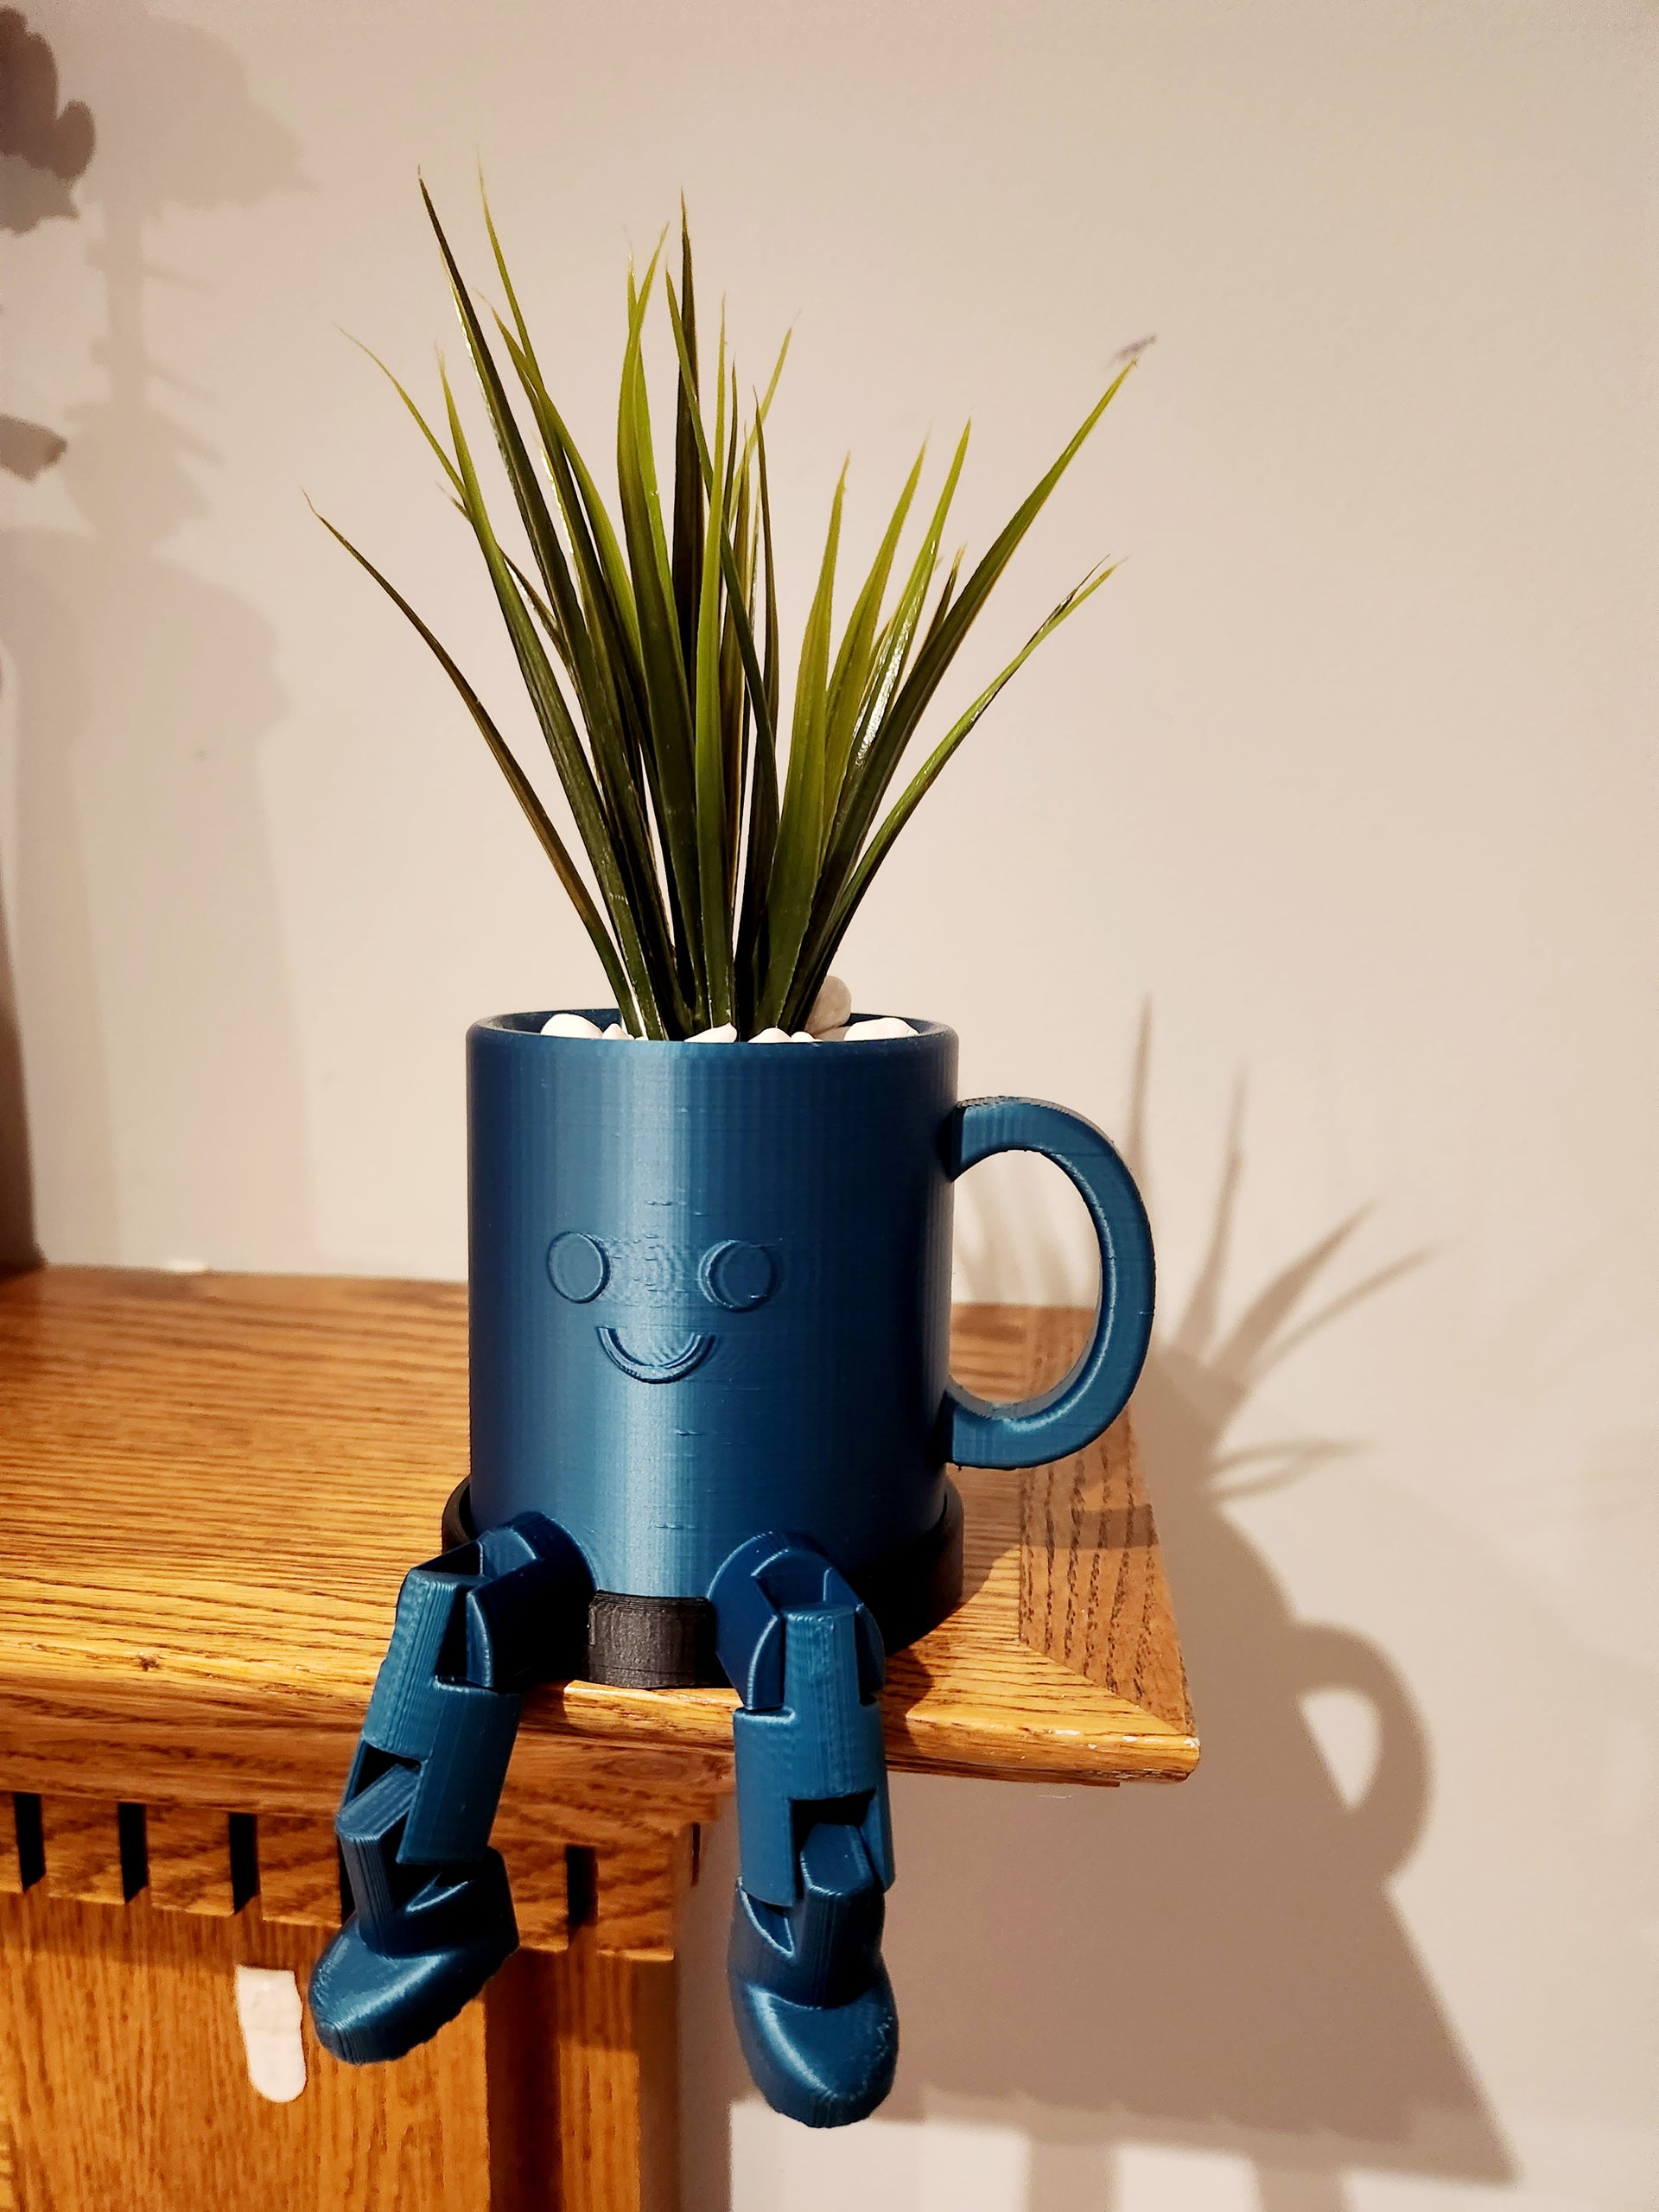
point(529, 1025)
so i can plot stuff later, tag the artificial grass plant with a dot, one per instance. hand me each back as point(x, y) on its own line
point(726, 864)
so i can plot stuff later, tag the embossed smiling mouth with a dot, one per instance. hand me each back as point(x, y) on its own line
point(691, 1354)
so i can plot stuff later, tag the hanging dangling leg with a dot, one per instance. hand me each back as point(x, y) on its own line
point(813, 2003)
point(434, 1920)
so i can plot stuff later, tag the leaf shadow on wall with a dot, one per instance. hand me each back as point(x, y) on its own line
point(149, 972)
point(1218, 1967)
point(44, 148)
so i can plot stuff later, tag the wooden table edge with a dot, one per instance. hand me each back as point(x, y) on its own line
point(62, 1719)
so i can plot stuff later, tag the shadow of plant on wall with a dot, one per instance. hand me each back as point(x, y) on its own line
point(44, 148)
point(144, 925)
point(1217, 1967)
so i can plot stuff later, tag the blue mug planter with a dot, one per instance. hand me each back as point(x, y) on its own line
point(711, 1416)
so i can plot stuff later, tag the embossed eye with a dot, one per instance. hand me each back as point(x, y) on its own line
point(736, 1276)
point(578, 1266)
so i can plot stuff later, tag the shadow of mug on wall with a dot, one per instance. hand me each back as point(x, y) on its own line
point(1220, 1968)
point(1255, 1989)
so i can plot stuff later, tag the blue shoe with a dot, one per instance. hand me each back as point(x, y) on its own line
point(366, 2007)
point(825, 2065)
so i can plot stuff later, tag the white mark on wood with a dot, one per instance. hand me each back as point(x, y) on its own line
point(267, 2006)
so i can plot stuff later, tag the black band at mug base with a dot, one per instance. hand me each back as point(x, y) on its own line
point(668, 1643)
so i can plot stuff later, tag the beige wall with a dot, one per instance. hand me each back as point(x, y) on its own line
point(1342, 788)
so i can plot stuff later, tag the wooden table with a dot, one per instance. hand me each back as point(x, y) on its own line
point(213, 1486)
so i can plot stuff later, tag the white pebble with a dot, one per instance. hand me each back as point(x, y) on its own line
point(570, 1025)
point(726, 1034)
point(617, 1031)
point(803, 1037)
point(771, 1037)
point(832, 1006)
point(886, 1024)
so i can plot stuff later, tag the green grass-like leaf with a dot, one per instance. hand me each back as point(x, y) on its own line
point(723, 868)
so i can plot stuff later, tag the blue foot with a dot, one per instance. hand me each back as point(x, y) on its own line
point(367, 2008)
point(825, 2065)
point(811, 1998)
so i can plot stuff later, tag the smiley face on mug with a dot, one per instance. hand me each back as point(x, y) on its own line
point(638, 1278)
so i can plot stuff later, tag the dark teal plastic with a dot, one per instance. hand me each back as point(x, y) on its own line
point(1075, 1411)
point(810, 1996)
point(710, 1293)
point(433, 1917)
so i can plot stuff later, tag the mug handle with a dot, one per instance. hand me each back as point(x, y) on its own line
point(1076, 1409)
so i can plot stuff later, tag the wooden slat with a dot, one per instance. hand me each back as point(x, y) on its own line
point(299, 1870)
point(583, 2070)
point(638, 1888)
point(219, 1481)
point(619, 2109)
point(536, 1867)
point(11, 1872)
point(82, 1838)
point(190, 1857)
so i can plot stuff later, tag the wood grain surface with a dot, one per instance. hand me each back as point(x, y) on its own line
point(583, 2067)
point(188, 1860)
point(215, 1483)
point(83, 1849)
point(299, 1869)
point(124, 2080)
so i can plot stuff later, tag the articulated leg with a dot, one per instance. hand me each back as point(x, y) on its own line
point(814, 2006)
point(433, 1918)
